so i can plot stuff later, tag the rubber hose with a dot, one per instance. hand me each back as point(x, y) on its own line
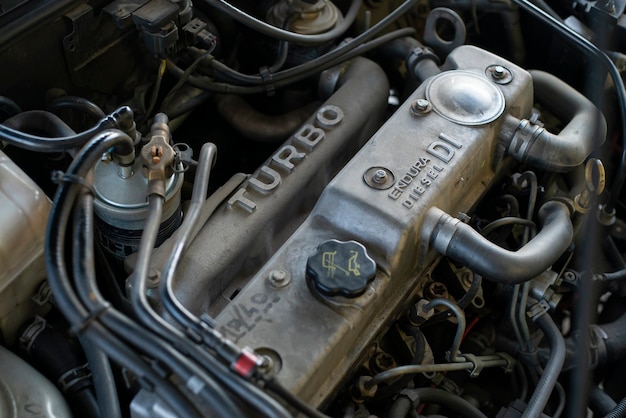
point(462, 243)
point(552, 370)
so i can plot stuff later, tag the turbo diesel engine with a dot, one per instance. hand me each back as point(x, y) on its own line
point(312, 208)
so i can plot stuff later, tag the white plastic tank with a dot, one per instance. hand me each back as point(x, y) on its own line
point(24, 210)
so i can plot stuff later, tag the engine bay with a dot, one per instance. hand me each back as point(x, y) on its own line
point(347, 208)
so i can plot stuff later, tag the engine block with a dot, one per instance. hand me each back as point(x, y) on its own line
point(439, 149)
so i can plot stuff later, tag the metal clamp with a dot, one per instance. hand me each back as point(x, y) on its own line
point(74, 376)
point(538, 309)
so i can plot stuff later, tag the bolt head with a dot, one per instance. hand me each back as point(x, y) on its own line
point(499, 71)
point(420, 107)
point(380, 176)
point(278, 278)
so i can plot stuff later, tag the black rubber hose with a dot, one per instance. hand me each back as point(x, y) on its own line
point(461, 242)
point(258, 126)
point(619, 411)
point(600, 402)
point(295, 74)
point(594, 52)
point(77, 103)
point(615, 340)
point(8, 107)
point(128, 330)
point(103, 380)
point(406, 48)
point(39, 122)
point(585, 129)
point(401, 407)
point(552, 370)
point(122, 118)
point(448, 400)
point(60, 283)
point(61, 362)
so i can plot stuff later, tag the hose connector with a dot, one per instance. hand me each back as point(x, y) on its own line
point(158, 156)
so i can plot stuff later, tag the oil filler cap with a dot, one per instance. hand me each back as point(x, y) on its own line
point(340, 269)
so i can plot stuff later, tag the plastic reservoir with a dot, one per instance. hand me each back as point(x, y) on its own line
point(24, 212)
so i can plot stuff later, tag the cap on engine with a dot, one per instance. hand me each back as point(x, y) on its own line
point(340, 269)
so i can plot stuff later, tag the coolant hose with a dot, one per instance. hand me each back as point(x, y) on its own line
point(461, 242)
point(532, 144)
point(553, 367)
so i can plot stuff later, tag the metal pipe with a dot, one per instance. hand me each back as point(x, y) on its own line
point(462, 243)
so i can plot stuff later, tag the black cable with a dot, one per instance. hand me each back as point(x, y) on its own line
point(83, 322)
point(207, 84)
point(274, 32)
point(508, 220)
point(186, 106)
point(117, 119)
point(548, 379)
point(588, 47)
point(77, 103)
point(133, 334)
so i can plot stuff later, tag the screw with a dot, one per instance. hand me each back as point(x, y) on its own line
point(420, 107)
point(499, 72)
point(436, 290)
point(379, 177)
point(382, 362)
point(278, 278)
point(106, 157)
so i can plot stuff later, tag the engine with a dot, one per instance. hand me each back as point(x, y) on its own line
point(312, 208)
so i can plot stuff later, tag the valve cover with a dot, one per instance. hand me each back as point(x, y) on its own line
point(439, 149)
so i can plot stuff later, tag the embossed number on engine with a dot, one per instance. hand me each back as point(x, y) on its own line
point(246, 314)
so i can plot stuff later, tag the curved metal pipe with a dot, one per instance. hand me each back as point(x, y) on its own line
point(534, 145)
point(461, 242)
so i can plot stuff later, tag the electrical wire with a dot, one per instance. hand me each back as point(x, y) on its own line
point(84, 322)
point(77, 103)
point(508, 220)
point(155, 90)
point(289, 76)
point(117, 119)
point(274, 32)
